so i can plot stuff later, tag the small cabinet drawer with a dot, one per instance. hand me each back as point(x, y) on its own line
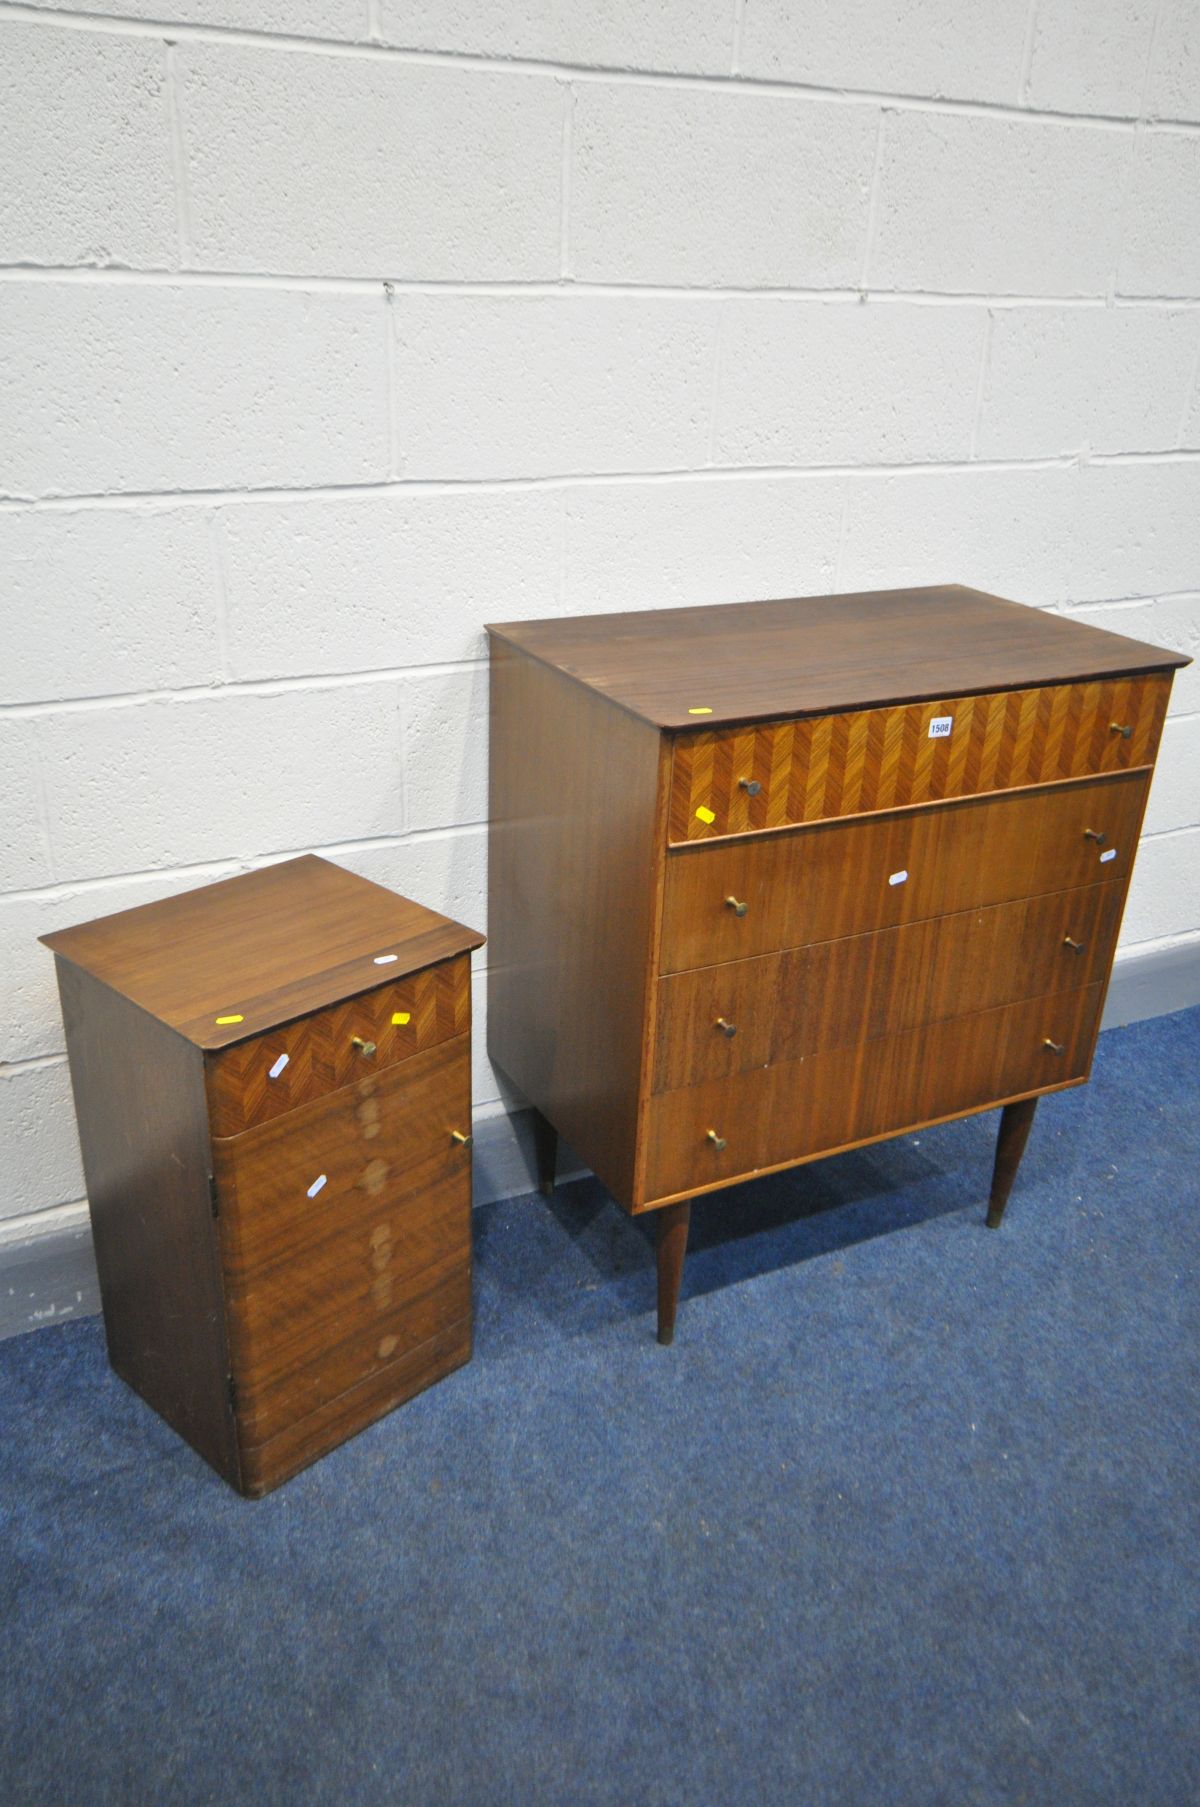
point(725, 1129)
point(815, 769)
point(718, 1020)
point(255, 1080)
point(749, 897)
point(345, 1235)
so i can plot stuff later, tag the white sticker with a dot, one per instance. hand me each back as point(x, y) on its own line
point(385, 959)
point(280, 1064)
point(940, 726)
point(317, 1184)
point(897, 878)
point(1109, 854)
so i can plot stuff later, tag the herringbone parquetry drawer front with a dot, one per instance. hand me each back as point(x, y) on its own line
point(259, 1079)
point(810, 770)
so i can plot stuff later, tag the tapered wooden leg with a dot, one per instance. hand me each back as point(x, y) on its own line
point(1016, 1120)
point(672, 1241)
point(545, 1149)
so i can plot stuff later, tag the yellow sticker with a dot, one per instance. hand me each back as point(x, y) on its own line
point(400, 1017)
point(699, 711)
point(706, 815)
point(223, 1020)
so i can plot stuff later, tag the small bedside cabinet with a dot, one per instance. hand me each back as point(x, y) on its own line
point(774, 879)
point(272, 1081)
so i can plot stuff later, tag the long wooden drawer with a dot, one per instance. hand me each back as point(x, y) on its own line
point(813, 769)
point(255, 1080)
point(753, 896)
point(718, 1020)
point(728, 1128)
point(345, 1235)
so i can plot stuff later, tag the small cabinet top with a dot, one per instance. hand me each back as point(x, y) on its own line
point(233, 959)
point(751, 661)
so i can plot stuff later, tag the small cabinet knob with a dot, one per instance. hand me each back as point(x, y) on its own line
point(365, 1048)
point(456, 1135)
point(751, 786)
point(727, 1028)
point(1124, 729)
point(1093, 834)
point(717, 1141)
point(1054, 1047)
point(1076, 947)
point(736, 905)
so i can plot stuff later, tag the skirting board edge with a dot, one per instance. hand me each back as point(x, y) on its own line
point(50, 1277)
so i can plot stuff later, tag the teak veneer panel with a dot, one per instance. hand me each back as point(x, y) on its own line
point(261, 948)
point(143, 1134)
point(813, 884)
point(810, 770)
point(574, 808)
point(834, 994)
point(802, 1108)
point(821, 655)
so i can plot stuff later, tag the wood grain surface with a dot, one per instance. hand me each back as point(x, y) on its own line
point(719, 1020)
point(345, 1236)
point(226, 961)
point(572, 849)
point(880, 759)
point(817, 655)
point(319, 1053)
point(266, 1465)
point(799, 1109)
point(143, 1131)
point(814, 884)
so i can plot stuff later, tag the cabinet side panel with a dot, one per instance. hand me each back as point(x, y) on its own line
point(143, 1127)
point(572, 879)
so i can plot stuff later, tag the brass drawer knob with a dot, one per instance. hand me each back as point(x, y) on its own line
point(1093, 834)
point(1054, 1047)
point(736, 905)
point(727, 1028)
point(751, 786)
point(456, 1135)
point(366, 1049)
point(1076, 947)
point(1124, 729)
point(717, 1141)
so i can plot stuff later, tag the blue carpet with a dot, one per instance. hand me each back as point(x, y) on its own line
point(909, 1513)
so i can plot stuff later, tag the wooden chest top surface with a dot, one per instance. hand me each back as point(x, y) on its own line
point(233, 959)
point(749, 661)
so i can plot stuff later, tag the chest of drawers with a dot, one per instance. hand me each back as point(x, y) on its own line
point(771, 880)
point(272, 1082)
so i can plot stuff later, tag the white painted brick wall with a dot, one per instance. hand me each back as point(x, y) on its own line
point(332, 329)
point(137, 591)
point(409, 578)
point(138, 388)
point(1044, 391)
point(516, 387)
point(845, 384)
point(82, 119)
point(918, 47)
point(695, 36)
point(1090, 59)
point(1160, 254)
point(674, 544)
point(691, 186)
point(414, 172)
point(973, 204)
